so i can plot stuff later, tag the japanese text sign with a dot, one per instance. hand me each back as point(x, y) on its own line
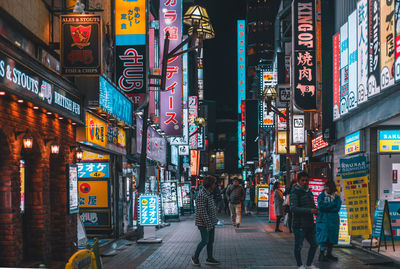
point(282, 144)
point(344, 68)
point(352, 143)
point(387, 43)
point(93, 170)
point(73, 189)
point(96, 130)
point(171, 113)
point(353, 86)
point(298, 129)
point(374, 66)
point(397, 42)
point(344, 237)
point(94, 157)
point(354, 173)
point(80, 45)
point(318, 143)
point(193, 128)
point(241, 63)
point(149, 210)
point(362, 58)
point(93, 193)
point(130, 22)
point(389, 141)
point(303, 54)
point(114, 102)
point(336, 76)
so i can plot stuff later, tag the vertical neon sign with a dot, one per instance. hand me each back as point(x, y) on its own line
point(241, 46)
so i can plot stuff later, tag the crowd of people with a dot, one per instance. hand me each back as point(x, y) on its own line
point(318, 224)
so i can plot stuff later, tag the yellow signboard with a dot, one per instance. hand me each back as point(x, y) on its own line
point(94, 157)
point(344, 237)
point(281, 144)
point(93, 193)
point(130, 19)
point(121, 138)
point(96, 130)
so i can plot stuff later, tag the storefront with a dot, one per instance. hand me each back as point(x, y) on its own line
point(39, 111)
point(105, 190)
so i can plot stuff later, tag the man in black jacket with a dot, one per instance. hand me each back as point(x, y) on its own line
point(303, 209)
point(235, 194)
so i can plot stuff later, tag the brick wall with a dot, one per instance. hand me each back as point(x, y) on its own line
point(50, 232)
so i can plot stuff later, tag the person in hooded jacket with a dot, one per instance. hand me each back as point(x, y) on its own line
point(327, 226)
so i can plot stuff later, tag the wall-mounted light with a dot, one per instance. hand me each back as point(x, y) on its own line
point(55, 149)
point(2, 93)
point(79, 154)
point(28, 142)
point(20, 101)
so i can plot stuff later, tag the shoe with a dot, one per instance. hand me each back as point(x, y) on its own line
point(195, 261)
point(302, 267)
point(329, 256)
point(312, 266)
point(237, 225)
point(322, 257)
point(278, 231)
point(212, 261)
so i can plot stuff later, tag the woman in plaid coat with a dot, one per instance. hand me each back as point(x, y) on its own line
point(206, 219)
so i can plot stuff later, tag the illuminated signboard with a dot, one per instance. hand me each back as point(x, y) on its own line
point(387, 43)
point(219, 160)
point(130, 41)
point(352, 143)
point(362, 58)
point(81, 44)
point(93, 170)
point(171, 112)
point(336, 76)
point(267, 79)
point(194, 162)
point(193, 128)
point(318, 143)
point(282, 144)
point(389, 140)
point(298, 129)
point(93, 193)
point(241, 60)
point(73, 203)
point(303, 54)
point(22, 182)
point(344, 68)
point(374, 66)
point(174, 155)
point(352, 97)
point(96, 130)
point(149, 210)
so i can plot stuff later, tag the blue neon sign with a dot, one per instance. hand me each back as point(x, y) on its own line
point(241, 46)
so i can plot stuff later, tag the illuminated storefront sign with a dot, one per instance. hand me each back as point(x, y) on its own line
point(81, 44)
point(298, 129)
point(374, 66)
point(352, 97)
point(22, 184)
point(387, 43)
point(281, 144)
point(193, 128)
point(318, 143)
point(149, 210)
point(219, 160)
point(352, 143)
point(171, 113)
point(303, 54)
point(194, 162)
point(241, 60)
point(130, 22)
point(73, 203)
point(336, 76)
point(362, 58)
point(93, 170)
point(93, 193)
point(96, 130)
point(94, 157)
point(267, 79)
point(389, 140)
point(344, 68)
point(114, 102)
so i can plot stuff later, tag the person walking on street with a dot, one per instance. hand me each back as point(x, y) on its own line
point(286, 204)
point(278, 204)
point(235, 194)
point(206, 219)
point(303, 207)
point(327, 226)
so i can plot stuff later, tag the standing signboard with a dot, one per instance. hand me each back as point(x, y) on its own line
point(387, 43)
point(394, 208)
point(73, 204)
point(171, 112)
point(382, 226)
point(169, 198)
point(354, 173)
point(303, 54)
point(362, 52)
point(262, 196)
point(81, 45)
point(149, 210)
point(374, 65)
point(130, 41)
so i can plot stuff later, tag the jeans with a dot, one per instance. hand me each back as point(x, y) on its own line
point(236, 213)
point(309, 235)
point(207, 238)
point(278, 221)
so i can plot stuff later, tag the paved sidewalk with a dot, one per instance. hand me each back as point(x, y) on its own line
point(253, 246)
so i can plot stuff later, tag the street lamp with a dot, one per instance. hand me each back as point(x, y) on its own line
point(268, 96)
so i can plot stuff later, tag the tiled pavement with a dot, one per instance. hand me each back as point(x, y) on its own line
point(253, 246)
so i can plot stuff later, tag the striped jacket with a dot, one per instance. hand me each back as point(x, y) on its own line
point(206, 213)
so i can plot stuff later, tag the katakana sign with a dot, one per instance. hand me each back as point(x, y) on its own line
point(171, 112)
point(303, 54)
point(93, 170)
point(149, 210)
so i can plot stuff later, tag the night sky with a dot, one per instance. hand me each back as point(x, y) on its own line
point(220, 55)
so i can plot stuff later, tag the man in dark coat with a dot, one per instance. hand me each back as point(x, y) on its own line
point(235, 194)
point(303, 209)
